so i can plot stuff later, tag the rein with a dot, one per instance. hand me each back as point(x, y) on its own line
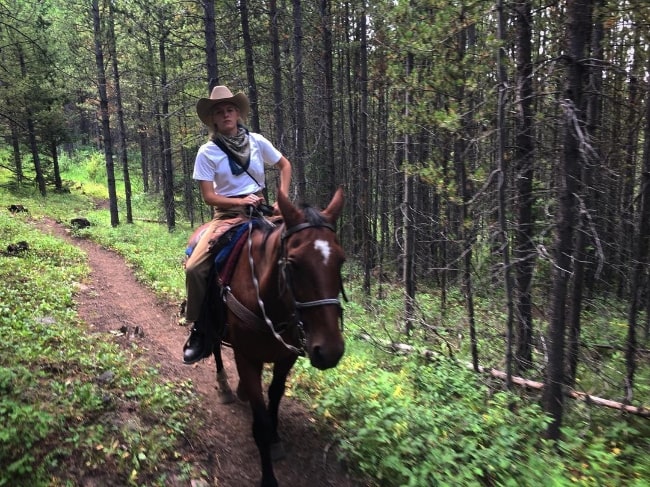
point(285, 276)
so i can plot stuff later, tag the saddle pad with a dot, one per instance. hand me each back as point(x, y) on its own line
point(227, 257)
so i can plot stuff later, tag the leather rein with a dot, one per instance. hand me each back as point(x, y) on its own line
point(285, 284)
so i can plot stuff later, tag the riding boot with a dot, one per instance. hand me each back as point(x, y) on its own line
point(197, 346)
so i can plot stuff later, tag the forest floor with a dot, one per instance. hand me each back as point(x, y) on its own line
point(112, 299)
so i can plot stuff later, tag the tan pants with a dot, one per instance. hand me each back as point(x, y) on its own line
point(199, 264)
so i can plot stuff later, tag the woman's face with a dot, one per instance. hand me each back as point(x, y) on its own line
point(225, 117)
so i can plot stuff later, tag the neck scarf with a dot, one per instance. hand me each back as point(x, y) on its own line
point(237, 148)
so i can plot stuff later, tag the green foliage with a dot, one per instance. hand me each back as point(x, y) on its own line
point(398, 420)
point(427, 424)
point(62, 389)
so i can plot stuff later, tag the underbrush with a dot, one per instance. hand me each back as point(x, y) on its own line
point(438, 423)
point(399, 420)
point(64, 392)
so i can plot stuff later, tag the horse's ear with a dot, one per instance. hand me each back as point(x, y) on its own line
point(333, 210)
point(290, 213)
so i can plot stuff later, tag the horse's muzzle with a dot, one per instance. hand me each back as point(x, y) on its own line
point(326, 356)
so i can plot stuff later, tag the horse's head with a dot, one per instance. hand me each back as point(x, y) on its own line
point(313, 257)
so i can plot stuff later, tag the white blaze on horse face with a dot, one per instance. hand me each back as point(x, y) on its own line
point(324, 247)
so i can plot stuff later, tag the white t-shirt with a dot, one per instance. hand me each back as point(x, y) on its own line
point(212, 164)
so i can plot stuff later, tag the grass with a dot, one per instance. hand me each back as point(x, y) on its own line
point(399, 420)
point(63, 389)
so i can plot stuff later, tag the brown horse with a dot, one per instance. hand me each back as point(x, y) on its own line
point(282, 302)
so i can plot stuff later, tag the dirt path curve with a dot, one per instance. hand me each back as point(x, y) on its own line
point(113, 299)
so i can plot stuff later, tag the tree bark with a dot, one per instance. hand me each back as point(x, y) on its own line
point(524, 251)
point(250, 66)
point(299, 157)
point(328, 103)
point(103, 106)
point(641, 259)
point(121, 126)
point(211, 62)
point(504, 239)
point(578, 32)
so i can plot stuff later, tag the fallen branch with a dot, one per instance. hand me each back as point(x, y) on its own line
point(520, 381)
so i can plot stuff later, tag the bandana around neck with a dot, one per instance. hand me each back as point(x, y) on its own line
point(237, 148)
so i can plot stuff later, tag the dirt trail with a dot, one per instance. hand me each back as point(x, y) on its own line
point(113, 299)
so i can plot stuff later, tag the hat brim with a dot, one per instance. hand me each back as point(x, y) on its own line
point(205, 106)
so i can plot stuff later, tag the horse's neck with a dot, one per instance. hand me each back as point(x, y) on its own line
point(268, 261)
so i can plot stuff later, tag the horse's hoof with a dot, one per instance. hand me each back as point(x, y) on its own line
point(277, 451)
point(225, 397)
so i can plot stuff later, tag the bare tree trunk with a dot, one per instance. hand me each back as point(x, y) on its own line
point(578, 31)
point(502, 188)
point(210, 44)
point(641, 261)
point(103, 106)
point(112, 49)
point(408, 230)
point(58, 184)
point(592, 159)
point(364, 195)
point(250, 66)
point(299, 157)
point(18, 160)
point(524, 157)
point(144, 149)
point(328, 86)
point(31, 134)
point(276, 65)
point(167, 163)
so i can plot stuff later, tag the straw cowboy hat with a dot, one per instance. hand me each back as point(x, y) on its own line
point(221, 94)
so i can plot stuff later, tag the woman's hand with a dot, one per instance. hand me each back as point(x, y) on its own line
point(253, 200)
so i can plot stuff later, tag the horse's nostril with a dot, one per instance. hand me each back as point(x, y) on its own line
point(321, 359)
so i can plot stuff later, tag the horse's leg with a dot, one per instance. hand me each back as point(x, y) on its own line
point(224, 392)
point(276, 392)
point(250, 385)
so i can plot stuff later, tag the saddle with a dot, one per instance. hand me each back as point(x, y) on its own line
point(226, 245)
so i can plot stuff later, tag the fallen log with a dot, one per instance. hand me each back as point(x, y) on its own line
point(520, 381)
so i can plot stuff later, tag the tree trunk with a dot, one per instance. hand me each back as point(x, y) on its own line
point(592, 155)
point(31, 134)
point(299, 157)
point(58, 184)
point(210, 44)
point(502, 190)
point(18, 160)
point(120, 114)
point(408, 230)
point(167, 164)
point(364, 194)
point(276, 67)
point(328, 102)
point(524, 156)
point(103, 106)
point(578, 31)
point(641, 259)
point(143, 142)
point(250, 66)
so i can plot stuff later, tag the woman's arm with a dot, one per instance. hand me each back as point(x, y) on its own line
point(214, 199)
point(284, 166)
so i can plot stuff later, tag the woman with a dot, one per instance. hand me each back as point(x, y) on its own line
point(230, 171)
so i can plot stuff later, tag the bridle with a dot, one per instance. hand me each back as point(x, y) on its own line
point(285, 285)
point(285, 270)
